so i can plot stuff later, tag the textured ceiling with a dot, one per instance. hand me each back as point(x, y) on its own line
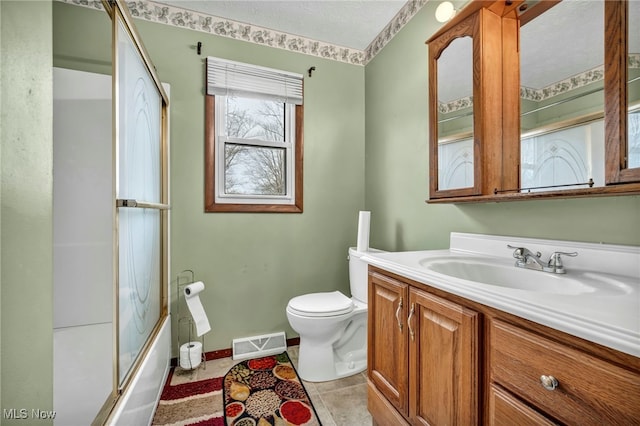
point(348, 23)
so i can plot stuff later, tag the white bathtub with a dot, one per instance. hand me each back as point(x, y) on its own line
point(137, 404)
point(83, 378)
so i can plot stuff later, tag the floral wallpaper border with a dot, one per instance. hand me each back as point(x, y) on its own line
point(177, 17)
point(531, 94)
point(400, 20)
point(456, 105)
point(575, 82)
point(563, 86)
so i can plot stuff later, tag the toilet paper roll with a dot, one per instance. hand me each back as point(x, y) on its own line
point(191, 295)
point(363, 231)
point(190, 355)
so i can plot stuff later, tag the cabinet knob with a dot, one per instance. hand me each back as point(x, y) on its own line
point(548, 382)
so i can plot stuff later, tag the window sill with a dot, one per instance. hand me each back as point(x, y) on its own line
point(253, 208)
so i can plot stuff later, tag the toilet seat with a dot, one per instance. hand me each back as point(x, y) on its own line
point(326, 304)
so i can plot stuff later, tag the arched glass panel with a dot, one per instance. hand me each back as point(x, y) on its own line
point(139, 185)
point(455, 115)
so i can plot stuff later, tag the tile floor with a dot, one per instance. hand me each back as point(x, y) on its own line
point(338, 403)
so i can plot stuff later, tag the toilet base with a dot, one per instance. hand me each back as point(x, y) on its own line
point(331, 347)
point(319, 363)
point(355, 363)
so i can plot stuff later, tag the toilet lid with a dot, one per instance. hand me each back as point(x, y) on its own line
point(321, 304)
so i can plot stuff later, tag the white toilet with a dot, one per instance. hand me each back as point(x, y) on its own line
point(333, 327)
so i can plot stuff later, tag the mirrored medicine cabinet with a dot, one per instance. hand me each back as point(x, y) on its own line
point(531, 99)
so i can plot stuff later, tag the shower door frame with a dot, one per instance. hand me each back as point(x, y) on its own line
point(120, 15)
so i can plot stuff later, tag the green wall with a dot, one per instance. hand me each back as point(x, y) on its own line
point(251, 264)
point(26, 279)
point(396, 178)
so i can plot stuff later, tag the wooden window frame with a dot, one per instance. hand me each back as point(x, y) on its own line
point(211, 206)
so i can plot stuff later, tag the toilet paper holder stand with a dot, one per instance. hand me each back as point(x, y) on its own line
point(183, 279)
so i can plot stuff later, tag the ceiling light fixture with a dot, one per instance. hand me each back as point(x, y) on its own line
point(445, 11)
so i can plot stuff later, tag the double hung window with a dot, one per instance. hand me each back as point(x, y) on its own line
point(254, 121)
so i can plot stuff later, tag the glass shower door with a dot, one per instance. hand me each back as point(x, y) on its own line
point(141, 200)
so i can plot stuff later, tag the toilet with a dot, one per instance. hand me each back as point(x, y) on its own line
point(333, 327)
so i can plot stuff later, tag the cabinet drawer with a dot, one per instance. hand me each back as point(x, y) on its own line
point(506, 410)
point(590, 391)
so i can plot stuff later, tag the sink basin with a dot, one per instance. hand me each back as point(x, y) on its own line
point(503, 273)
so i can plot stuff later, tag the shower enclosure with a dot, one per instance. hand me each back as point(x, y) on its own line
point(111, 327)
point(83, 245)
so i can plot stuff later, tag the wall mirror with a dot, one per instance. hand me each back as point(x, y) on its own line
point(555, 107)
point(455, 115)
point(633, 88)
point(562, 97)
point(456, 108)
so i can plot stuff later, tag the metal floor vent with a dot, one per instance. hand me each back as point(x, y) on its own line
point(257, 346)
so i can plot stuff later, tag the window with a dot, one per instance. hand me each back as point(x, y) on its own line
point(253, 147)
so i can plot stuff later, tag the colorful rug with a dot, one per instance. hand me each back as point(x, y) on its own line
point(266, 391)
point(197, 403)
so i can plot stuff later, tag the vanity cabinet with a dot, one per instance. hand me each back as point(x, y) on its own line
point(423, 356)
point(435, 358)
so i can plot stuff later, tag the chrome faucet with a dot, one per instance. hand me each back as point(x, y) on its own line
point(527, 259)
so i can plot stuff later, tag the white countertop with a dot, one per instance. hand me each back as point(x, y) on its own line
point(611, 319)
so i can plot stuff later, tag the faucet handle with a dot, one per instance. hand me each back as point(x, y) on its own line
point(555, 261)
point(521, 252)
point(518, 251)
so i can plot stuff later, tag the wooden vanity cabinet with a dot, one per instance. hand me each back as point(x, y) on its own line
point(423, 356)
point(439, 359)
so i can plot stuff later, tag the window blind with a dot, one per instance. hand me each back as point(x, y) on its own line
point(226, 77)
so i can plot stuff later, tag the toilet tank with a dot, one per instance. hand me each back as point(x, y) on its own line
point(358, 273)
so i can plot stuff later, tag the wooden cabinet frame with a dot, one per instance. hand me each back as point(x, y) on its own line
point(470, 27)
point(616, 96)
point(495, 27)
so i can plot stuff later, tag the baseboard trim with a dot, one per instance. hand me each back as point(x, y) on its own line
point(228, 352)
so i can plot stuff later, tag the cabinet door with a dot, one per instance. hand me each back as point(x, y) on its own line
point(387, 355)
point(443, 361)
